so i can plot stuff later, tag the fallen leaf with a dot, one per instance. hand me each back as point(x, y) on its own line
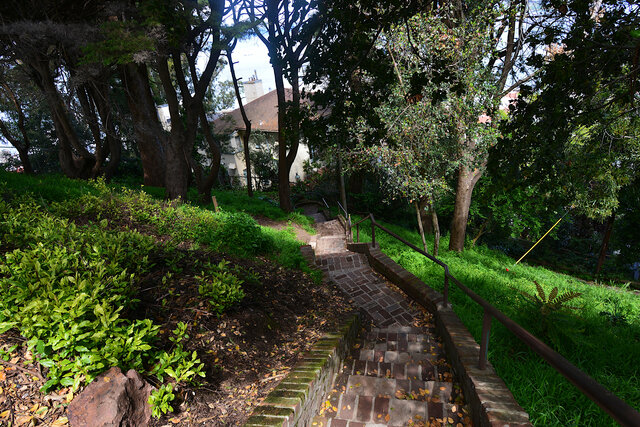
point(62, 421)
point(25, 419)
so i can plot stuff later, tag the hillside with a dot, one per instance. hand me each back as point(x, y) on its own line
point(599, 331)
point(94, 276)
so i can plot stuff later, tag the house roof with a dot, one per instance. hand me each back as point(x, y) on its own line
point(262, 113)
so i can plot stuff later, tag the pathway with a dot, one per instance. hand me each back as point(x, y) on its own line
point(397, 374)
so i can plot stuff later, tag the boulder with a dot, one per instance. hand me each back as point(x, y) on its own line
point(113, 399)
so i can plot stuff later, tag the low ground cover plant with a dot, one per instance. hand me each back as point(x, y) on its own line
point(72, 263)
point(601, 336)
point(70, 291)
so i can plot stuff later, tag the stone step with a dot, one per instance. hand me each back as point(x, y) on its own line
point(381, 356)
point(423, 370)
point(389, 411)
point(432, 391)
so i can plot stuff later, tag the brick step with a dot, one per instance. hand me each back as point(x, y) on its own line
point(397, 356)
point(387, 411)
point(418, 336)
point(423, 370)
point(423, 344)
point(398, 330)
point(434, 391)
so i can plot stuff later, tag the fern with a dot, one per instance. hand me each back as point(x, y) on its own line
point(551, 315)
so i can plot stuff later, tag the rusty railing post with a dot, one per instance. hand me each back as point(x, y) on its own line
point(373, 231)
point(484, 341)
point(357, 233)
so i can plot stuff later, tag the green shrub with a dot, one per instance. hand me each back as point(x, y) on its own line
point(160, 400)
point(66, 287)
point(220, 287)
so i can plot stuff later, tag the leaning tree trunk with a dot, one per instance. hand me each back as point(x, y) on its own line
point(147, 130)
point(425, 216)
point(419, 218)
point(91, 117)
point(75, 160)
point(247, 125)
point(24, 145)
point(605, 243)
point(467, 179)
point(113, 146)
point(23, 148)
point(343, 192)
point(436, 229)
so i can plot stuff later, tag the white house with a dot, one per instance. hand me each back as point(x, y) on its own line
point(262, 111)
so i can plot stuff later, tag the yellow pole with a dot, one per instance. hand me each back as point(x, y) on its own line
point(545, 235)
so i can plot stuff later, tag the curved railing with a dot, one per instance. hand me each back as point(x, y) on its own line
point(610, 403)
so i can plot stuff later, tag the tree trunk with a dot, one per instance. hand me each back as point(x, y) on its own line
point(419, 218)
point(343, 193)
point(356, 182)
point(24, 159)
point(91, 117)
point(605, 243)
point(294, 119)
point(76, 164)
point(247, 158)
point(436, 229)
point(22, 147)
point(247, 124)
point(177, 160)
point(284, 191)
point(147, 129)
point(205, 184)
point(467, 179)
point(425, 216)
point(113, 147)
point(481, 231)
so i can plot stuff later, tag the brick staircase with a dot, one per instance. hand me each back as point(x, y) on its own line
point(397, 376)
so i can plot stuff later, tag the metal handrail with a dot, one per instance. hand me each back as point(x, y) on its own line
point(617, 408)
point(347, 219)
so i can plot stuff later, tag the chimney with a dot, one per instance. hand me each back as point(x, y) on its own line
point(253, 88)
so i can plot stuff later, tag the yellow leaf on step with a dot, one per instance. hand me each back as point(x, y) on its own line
point(62, 421)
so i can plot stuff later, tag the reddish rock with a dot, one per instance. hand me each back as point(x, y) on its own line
point(112, 400)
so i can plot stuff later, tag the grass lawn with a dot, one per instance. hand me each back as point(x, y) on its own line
point(601, 336)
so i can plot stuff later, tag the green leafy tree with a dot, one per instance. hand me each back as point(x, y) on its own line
point(575, 139)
